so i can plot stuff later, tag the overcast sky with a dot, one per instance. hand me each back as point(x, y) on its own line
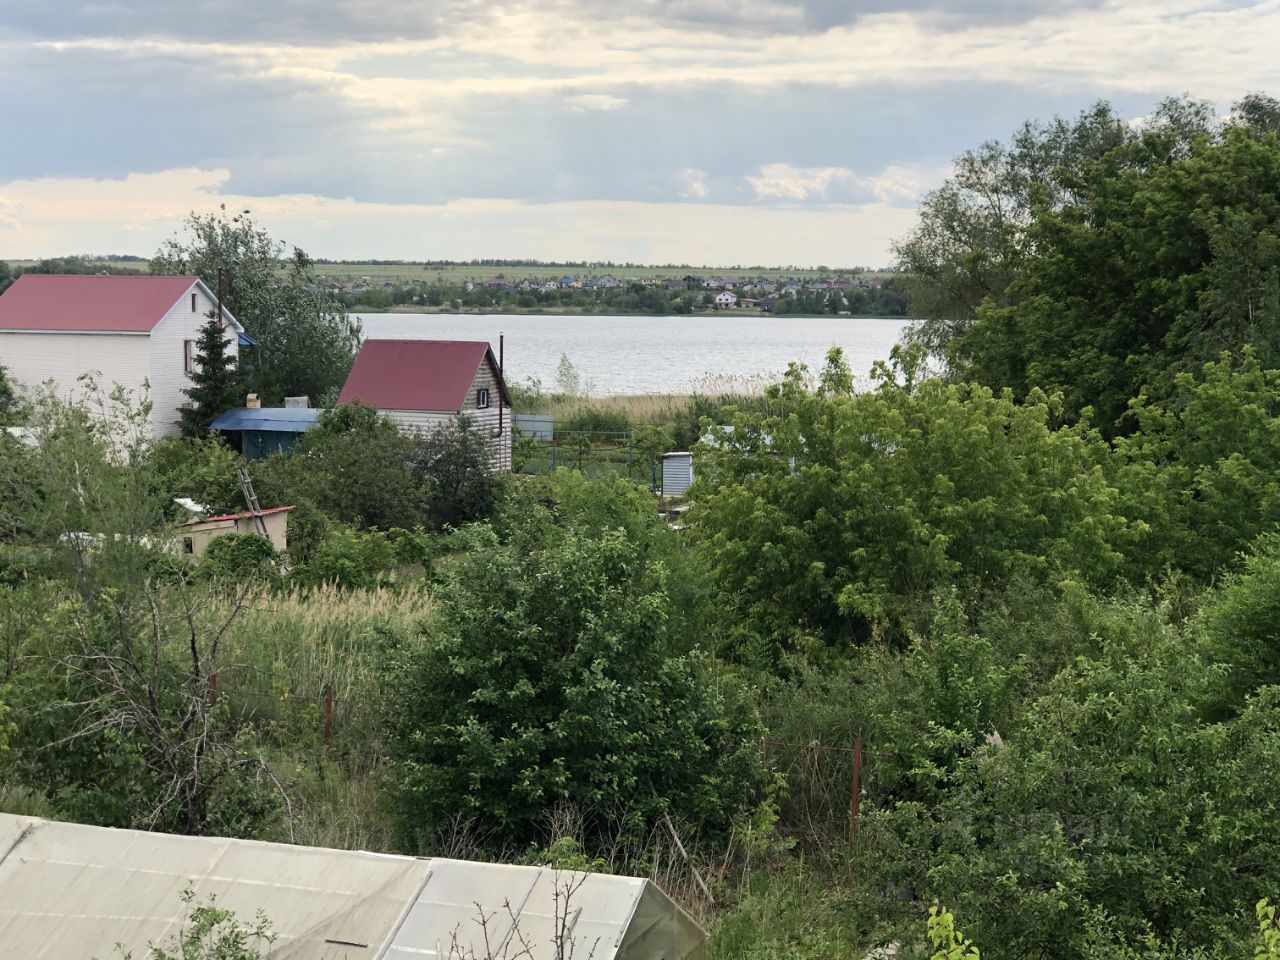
point(703, 131)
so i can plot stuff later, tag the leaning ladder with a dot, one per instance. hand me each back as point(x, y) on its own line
point(251, 499)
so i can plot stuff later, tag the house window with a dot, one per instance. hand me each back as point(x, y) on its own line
point(188, 545)
point(189, 357)
point(193, 303)
point(482, 398)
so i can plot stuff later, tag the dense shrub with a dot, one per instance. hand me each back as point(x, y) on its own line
point(237, 556)
point(1113, 802)
point(454, 468)
point(548, 678)
point(836, 519)
point(349, 558)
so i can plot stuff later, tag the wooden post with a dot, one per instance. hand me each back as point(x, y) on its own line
point(213, 689)
point(855, 788)
point(328, 714)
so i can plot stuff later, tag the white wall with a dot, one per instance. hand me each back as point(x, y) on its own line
point(487, 420)
point(116, 358)
point(166, 363)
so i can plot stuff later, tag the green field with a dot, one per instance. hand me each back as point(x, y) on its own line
point(406, 272)
point(456, 273)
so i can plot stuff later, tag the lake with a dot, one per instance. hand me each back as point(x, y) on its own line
point(628, 355)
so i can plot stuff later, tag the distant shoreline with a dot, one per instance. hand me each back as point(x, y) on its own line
point(516, 312)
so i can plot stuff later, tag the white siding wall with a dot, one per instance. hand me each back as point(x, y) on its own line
point(418, 421)
point(114, 358)
point(167, 358)
point(488, 420)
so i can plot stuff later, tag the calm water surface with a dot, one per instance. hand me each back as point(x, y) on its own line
point(652, 354)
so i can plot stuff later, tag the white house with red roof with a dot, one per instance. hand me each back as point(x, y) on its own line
point(424, 384)
point(134, 331)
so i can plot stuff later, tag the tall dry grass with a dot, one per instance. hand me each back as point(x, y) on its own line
point(300, 642)
point(665, 408)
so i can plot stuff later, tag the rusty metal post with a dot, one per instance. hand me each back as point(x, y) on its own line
point(855, 788)
point(328, 714)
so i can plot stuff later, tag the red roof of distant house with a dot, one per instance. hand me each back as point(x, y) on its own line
point(236, 516)
point(417, 374)
point(112, 304)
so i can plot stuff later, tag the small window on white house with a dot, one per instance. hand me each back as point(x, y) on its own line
point(482, 398)
point(189, 357)
point(188, 545)
point(193, 303)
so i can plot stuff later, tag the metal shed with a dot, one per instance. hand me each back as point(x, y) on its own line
point(677, 473)
point(258, 432)
point(69, 890)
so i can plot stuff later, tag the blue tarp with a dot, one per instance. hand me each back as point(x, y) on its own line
point(247, 341)
point(271, 419)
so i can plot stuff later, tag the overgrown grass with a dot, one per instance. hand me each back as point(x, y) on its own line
point(300, 642)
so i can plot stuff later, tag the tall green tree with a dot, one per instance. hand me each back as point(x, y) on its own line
point(981, 233)
point(215, 381)
point(971, 239)
point(1163, 265)
point(306, 340)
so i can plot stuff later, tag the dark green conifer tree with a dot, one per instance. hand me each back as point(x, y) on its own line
point(215, 381)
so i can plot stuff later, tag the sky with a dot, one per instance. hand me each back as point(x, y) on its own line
point(720, 132)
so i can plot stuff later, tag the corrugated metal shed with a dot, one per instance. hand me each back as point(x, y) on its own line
point(74, 891)
point(270, 419)
point(677, 473)
point(539, 426)
point(266, 430)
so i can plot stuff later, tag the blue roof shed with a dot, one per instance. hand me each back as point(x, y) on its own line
point(262, 431)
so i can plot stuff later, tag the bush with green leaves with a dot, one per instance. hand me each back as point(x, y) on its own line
point(834, 519)
point(350, 558)
point(453, 465)
point(1115, 804)
point(238, 556)
point(549, 677)
point(355, 466)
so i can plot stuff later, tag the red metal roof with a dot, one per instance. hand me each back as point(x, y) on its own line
point(235, 516)
point(417, 374)
point(38, 301)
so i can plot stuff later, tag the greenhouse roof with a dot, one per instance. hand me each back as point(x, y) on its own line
point(69, 890)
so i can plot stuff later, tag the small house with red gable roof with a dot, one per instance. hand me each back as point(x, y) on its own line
point(423, 385)
point(129, 331)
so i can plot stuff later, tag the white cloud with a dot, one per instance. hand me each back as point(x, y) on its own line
point(583, 102)
point(56, 216)
point(695, 184)
point(784, 181)
point(466, 98)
